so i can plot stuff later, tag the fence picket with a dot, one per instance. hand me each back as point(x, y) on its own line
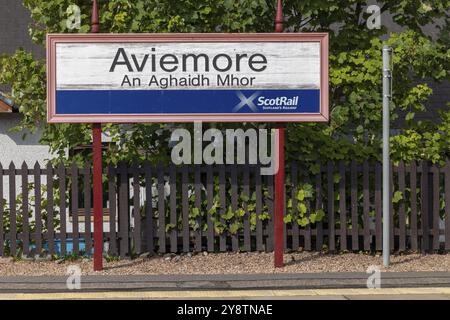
point(112, 210)
point(37, 208)
point(74, 199)
point(149, 224)
point(223, 207)
point(210, 203)
point(391, 208)
point(319, 226)
point(258, 209)
point(12, 210)
point(51, 213)
point(124, 216)
point(342, 207)
point(295, 229)
point(25, 211)
point(378, 211)
point(161, 210)
point(87, 209)
point(424, 207)
point(185, 205)
point(285, 231)
point(331, 217)
point(246, 192)
point(173, 208)
point(198, 205)
point(436, 206)
point(354, 205)
point(413, 199)
point(401, 210)
point(271, 210)
point(62, 208)
point(366, 205)
point(447, 205)
point(234, 207)
point(136, 210)
point(307, 230)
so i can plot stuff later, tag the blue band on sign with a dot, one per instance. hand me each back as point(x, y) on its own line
point(187, 101)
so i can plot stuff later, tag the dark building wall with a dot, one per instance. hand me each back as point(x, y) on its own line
point(438, 101)
point(14, 21)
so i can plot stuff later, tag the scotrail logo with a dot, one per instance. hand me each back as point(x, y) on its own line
point(278, 101)
point(265, 103)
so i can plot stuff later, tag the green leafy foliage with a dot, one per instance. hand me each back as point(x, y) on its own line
point(398, 195)
point(300, 213)
point(23, 211)
point(354, 132)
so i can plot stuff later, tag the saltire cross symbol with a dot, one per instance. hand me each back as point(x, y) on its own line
point(246, 101)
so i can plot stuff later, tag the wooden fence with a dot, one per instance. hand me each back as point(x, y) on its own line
point(221, 208)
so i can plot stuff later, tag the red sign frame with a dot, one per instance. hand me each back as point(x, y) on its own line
point(53, 39)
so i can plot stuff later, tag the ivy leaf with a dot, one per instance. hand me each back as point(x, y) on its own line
point(195, 212)
point(229, 214)
point(289, 204)
point(170, 226)
point(410, 116)
point(240, 212)
point(244, 197)
point(235, 227)
point(317, 216)
point(303, 222)
point(398, 195)
point(287, 218)
point(301, 208)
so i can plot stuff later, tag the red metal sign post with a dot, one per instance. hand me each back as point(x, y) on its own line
point(97, 171)
point(279, 175)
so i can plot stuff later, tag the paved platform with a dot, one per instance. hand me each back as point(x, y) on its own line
point(241, 282)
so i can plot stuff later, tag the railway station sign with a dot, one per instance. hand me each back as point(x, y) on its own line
point(127, 78)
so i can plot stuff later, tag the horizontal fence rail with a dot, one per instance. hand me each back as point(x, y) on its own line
point(218, 208)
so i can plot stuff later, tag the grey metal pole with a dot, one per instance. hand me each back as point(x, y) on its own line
point(387, 75)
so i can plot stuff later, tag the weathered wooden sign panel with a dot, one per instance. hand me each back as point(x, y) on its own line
point(187, 77)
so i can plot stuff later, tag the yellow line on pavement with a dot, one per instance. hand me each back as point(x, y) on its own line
point(219, 294)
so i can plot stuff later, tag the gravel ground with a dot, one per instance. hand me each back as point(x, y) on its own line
point(232, 263)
